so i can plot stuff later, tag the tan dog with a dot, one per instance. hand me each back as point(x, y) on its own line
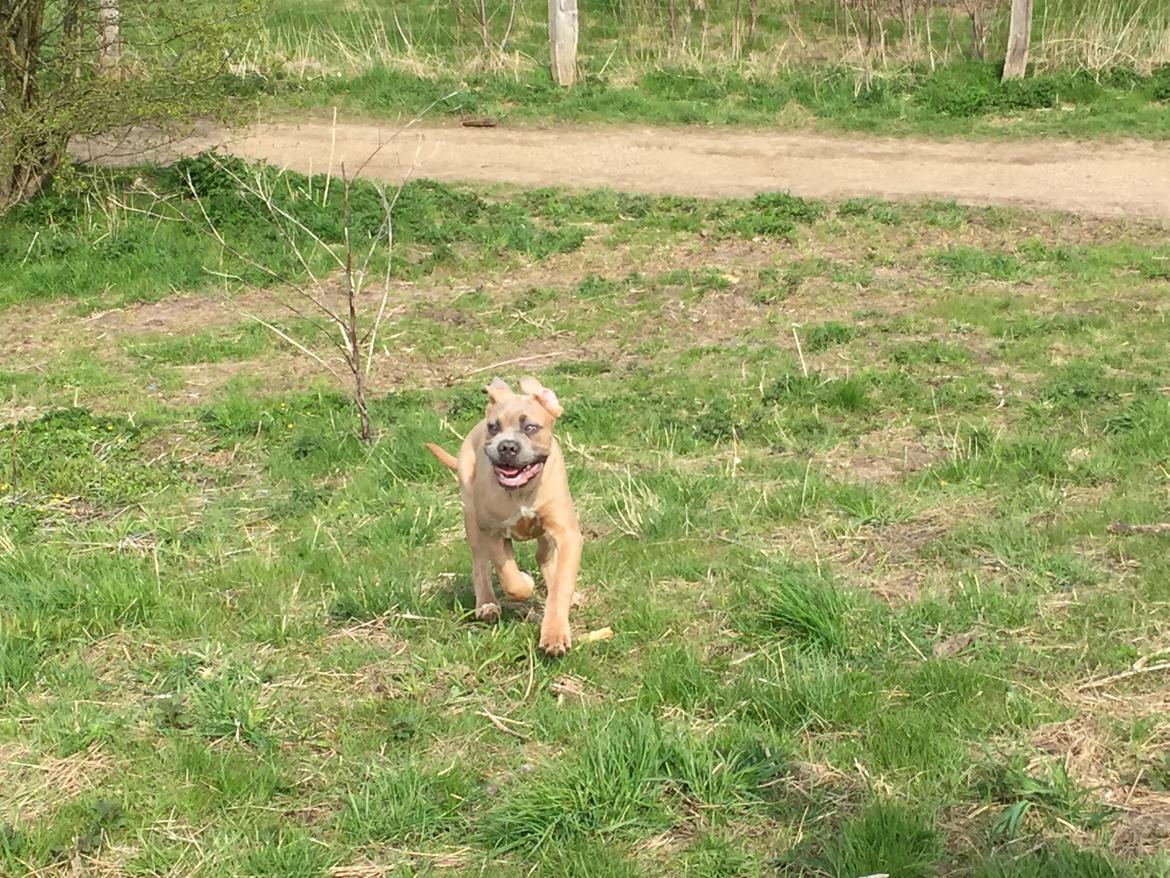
point(514, 487)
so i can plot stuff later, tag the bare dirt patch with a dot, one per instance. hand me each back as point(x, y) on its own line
point(397, 371)
point(883, 559)
point(32, 336)
point(184, 313)
point(884, 455)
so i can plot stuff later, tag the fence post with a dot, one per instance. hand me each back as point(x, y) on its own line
point(562, 40)
point(1016, 62)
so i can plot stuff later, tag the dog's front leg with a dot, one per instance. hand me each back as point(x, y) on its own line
point(546, 557)
point(515, 582)
point(486, 608)
point(555, 637)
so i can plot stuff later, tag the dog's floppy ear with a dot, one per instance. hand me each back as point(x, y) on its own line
point(542, 394)
point(497, 390)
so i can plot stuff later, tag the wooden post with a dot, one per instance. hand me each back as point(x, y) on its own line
point(562, 40)
point(1015, 64)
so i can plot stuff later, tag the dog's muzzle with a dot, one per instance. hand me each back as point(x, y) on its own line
point(510, 476)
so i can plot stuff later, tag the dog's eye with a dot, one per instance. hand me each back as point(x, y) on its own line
point(493, 428)
point(531, 428)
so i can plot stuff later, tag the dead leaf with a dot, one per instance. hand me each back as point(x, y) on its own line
point(954, 645)
point(599, 634)
point(567, 687)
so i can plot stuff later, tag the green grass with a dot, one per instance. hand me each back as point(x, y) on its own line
point(964, 101)
point(856, 589)
point(886, 837)
point(665, 64)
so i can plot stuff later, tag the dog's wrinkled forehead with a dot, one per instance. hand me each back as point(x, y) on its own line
point(533, 404)
point(517, 411)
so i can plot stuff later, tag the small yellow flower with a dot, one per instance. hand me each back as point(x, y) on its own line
point(109, 428)
point(290, 426)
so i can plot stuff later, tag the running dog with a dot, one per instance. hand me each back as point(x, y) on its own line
point(514, 486)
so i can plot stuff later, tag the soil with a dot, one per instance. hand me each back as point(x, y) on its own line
point(1099, 179)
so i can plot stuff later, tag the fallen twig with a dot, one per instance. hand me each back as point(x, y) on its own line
point(1125, 529)
point(800, 353)
point(498, 722)
point(1141, 666)
point(531, 672)
point(513, 361)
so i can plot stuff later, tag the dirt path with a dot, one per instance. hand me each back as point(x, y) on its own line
point(1130, 179)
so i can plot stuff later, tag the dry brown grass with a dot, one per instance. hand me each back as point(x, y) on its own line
point(383, 864)
point(36, 784)
point(1116, 773)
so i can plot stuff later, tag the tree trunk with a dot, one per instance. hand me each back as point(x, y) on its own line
point(562, 40)
point(978, 32)
point(26, 155)
point(1016, 62)
point(109, 35)
point(483, 25)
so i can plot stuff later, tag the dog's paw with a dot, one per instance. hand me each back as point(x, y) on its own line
point(524, 591)
point(487, 612)
point(555, 638)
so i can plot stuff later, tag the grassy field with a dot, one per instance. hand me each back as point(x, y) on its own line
point(1102, 67)
point(870, 614)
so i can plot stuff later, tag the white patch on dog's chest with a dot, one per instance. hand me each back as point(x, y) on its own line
point(526, 513)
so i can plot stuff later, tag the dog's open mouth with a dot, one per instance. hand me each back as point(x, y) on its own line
point(517, 476)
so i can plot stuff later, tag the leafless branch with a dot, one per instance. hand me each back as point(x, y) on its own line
point(277, 210)
point(292, 341)
point(252, 263)
point(418, 118)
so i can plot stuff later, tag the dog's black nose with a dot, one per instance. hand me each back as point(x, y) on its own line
point(508, 448)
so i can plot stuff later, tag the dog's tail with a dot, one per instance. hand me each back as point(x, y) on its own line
point(446, 459)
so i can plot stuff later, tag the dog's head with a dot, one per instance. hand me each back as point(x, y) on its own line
point(519, 430)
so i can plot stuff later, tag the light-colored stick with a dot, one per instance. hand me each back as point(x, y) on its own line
point(800, 353)
point(513, 362)
point(329, 167)
point(499, 724)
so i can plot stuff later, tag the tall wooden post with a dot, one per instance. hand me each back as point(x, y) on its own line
point(1015, 64)
point(562, 40)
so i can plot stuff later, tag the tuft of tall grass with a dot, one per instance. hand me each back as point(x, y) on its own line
point(626, 40)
